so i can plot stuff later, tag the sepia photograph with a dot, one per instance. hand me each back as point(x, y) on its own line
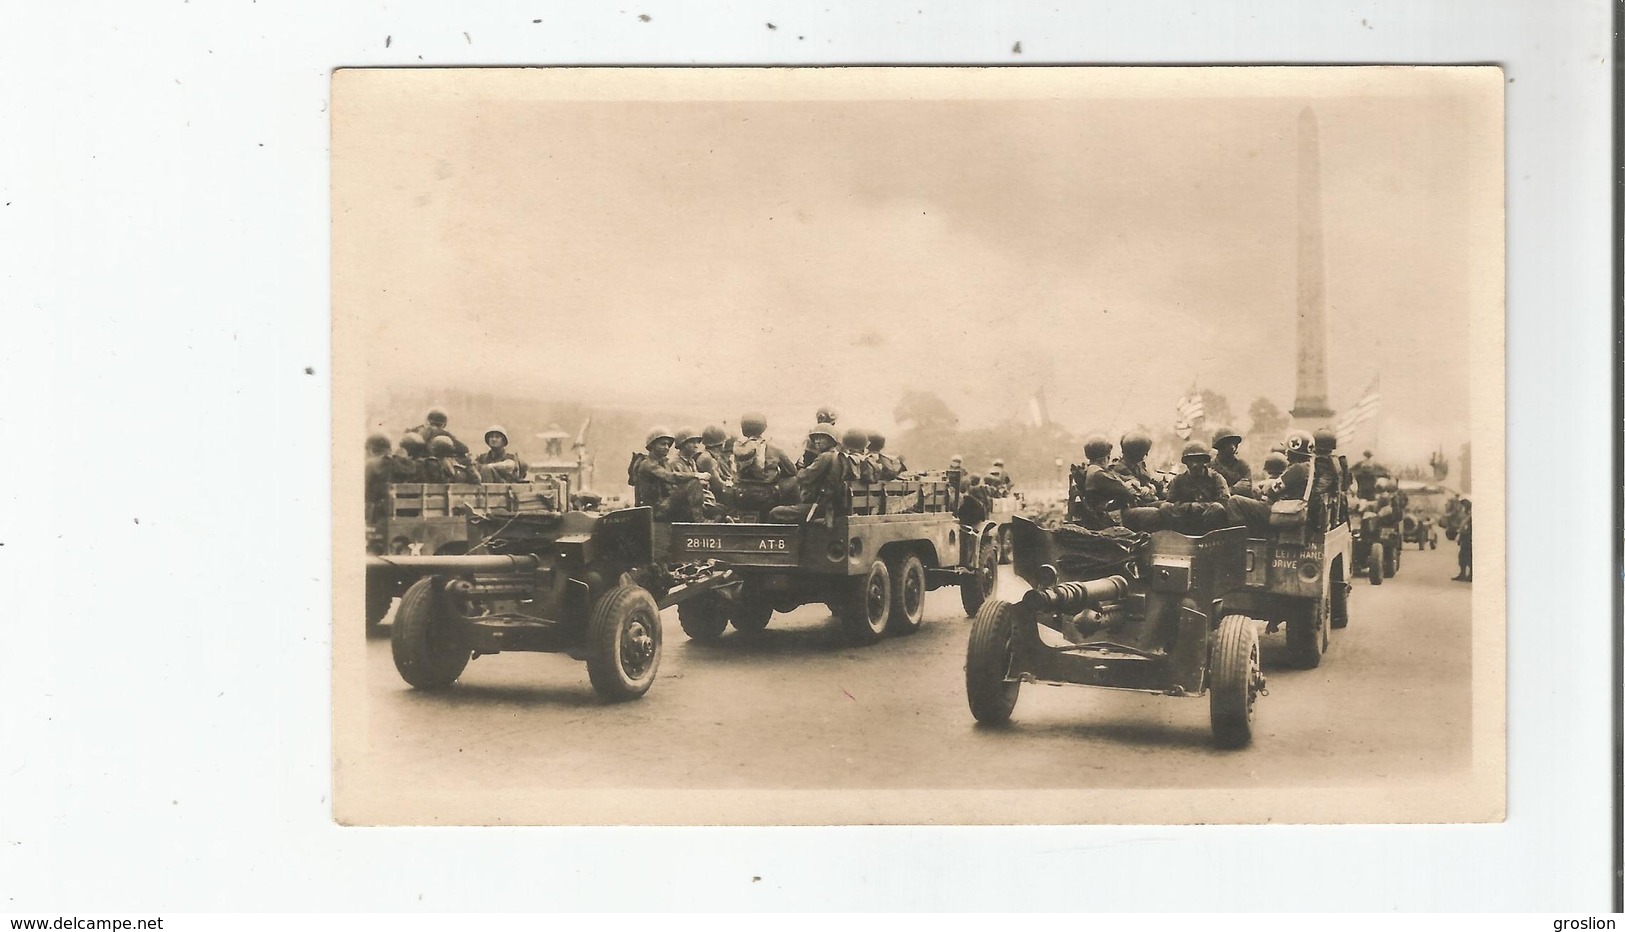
point(758, 446)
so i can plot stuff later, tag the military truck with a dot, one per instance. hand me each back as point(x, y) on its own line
point(871, 560)
point(559, 581)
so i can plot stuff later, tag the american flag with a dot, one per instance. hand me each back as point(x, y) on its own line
point(1187, 412)
point(1364, 410)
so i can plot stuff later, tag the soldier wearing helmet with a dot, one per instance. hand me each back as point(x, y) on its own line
point(499, 463)
point(1238, 475)
point(819, 483)
point(685, 461)
point(1464, 541)
point(715, 462)
point(434, 425)
point(1130, 464)
point(887, 467)
point(1197, 496)
point(673, 495)
point(1274, 465)
point(1000, 477)
point(764, 475)
point(856, 463)
point(407, 465)
point(444, 465)
point(377, 477)
point(826, 417)
point(1097, 496)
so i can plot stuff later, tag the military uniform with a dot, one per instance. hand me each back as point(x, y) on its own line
point(673, 493)
point(1235, 472)
point(501, 466)
point(1148, 487)
point(1204, 487)
point(819, 484)
point(713, 462)
point(428, 434)
point(1100, 497)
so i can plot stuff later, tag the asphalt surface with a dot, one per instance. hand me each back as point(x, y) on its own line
point(795, 707)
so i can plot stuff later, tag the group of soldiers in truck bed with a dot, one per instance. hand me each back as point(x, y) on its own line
point(708, 475)
point(432, 453)
point(1216, 489)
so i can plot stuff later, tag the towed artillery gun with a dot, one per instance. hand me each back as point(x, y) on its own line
point(871, 560)
point(572, 582)
point(1172, 614)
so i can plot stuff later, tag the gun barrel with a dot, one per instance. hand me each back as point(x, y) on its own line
point(461, 563)
point(1073, 597)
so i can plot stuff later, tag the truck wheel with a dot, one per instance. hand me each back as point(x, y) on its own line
point(1339, 594)
point(378, 602)
point(1391, 565)
point(1374, 565)
point(428, 648)
point(987, 664)
point(1433, 543)
point(623, 643)
point(985, 583)
point(1004, 545)
point(704, 617)
point(1308, 634)
point(867, 607)
point(751, 614)
point(907, 596)
point(1235, 677)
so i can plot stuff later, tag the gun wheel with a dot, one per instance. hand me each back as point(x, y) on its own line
point(992, 695)
point(623, 643)
point(751, 613)
point(1236, 678)
point(427, 644)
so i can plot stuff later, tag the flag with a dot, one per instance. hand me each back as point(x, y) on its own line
point(1038, 407)
point(1187, 412)
point(1364, 410)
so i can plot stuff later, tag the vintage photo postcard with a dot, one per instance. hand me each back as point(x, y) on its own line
point(918, 445)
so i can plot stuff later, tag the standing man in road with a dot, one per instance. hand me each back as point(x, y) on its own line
point(1464, 541)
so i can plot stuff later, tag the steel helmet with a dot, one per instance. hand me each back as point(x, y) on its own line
point(752, 423)
point(1278, 446)
point(855, 439)
point(877, 442)
point(1097, 447)
point(1325, 440)
point(684, 435)
point(377, 443)
point(1223, 434)
point(411, 440)
point(999, 463)
point(1275, 463)
point(657, 433)
point(956, 458)
point(1300, 443)
point(443, 445)
point(1194, 449)
point(436, 414)
point(826, 415)
point(823, 430)
point(496, 429)
point(713, 435)
point(1135, 444)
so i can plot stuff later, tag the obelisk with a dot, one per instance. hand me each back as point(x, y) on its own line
point(1311, 409)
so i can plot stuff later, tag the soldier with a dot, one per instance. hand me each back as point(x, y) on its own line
point(685, 460)
point(673, 495)
point(887, 467)
point(443, 464)
point(1099, 495)
point(826, 416)
point(1365, 473)
point(1238, 475)
point(434, 425)
point(1197, 497)
point(819, 483)
point(1464, 542)
point(1004, 481)
point(1274, 465)
point(498, 463)
point(763, 474)
point(407, 465)
point(376, 485)
point(715, 461)
point(1134, 447)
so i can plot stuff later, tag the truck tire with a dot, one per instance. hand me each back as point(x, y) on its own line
point(987, 662)
point(1234, 675)
point(751, 613)
point(428, 648)
point(1391, 565)
point(703, 617)
point(623, 643)
point(1374, 564)
point(1338, 592)
point(1308, 634)
point(907, 595)
point(982, 586)
point(379, 599)
point(866, 608)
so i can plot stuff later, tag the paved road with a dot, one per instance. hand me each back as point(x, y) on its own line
point(793, 707)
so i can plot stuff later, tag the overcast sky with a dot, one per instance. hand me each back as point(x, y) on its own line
point(785, 254)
